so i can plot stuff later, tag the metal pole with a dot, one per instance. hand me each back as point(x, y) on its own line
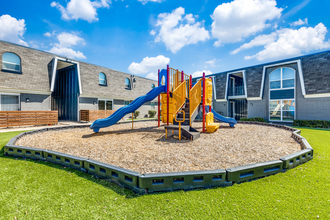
point(210, 108)
point(180, 131)
point(158, 101)
point(182, 76)
point(168, 93)
point(190, 83)
point(132, 119)
point(204, 102)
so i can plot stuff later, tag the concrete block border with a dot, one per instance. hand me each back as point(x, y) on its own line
point(158, 182)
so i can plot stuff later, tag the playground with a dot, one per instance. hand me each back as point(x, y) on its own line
point(174, 152)
point(146, 150)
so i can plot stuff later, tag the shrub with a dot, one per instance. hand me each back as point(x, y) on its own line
point(152, 113)
point(312, 123)
point(253, 119)
point(136, 114)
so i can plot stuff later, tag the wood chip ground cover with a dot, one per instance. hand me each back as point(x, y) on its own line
point(146, 150)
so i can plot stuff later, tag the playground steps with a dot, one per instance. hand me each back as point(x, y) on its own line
point(188, 132)
point(186, 109)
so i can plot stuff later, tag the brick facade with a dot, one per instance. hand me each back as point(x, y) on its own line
point(34, 81)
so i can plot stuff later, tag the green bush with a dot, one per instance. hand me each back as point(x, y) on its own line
point(136, 114)
point(152, 113)
point(312, 123)
point(253, 119)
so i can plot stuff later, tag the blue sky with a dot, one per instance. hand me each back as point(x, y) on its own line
point(141, 36)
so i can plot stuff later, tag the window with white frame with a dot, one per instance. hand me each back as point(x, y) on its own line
point(282, 95)
point(9, 102)
point(11, 61)
point(102, 79)
point(105, 104)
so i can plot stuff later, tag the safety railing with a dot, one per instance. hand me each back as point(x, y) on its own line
point(179, 97)
point(176, 78)
point(195, 97)
point(236, 91)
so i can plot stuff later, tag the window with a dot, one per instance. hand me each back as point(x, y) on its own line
point(281, 94)
point(127, 83)
point(9, 103)
point(126, 102)
point(152, 105)
point(152, 86)
point(102, 79)
point(105, 104)
point(11, 61)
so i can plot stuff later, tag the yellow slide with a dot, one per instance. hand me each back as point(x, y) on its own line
point(210, 125)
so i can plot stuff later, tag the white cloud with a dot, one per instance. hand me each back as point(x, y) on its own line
point(177, 30)
point(67, 40)
point(153, 32)
point(149, 64)
point(290, 42)
point(299, 22)
point(47, 34)
point(211, 62)
point(238, 19)
point(258, 41)
point(153, 76)
point(146, 1)
point(68, 52)
point(200, 73)
point(12, 29)
point(81, 9)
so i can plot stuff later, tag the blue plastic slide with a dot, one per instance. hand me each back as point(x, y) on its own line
point(132, 107)
point(221, 118)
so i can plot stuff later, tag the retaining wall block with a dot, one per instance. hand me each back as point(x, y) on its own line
point(81, 126)
point(308, 146)
point(295, 159)
point(183, 180)
point(64, 159)
point(12, 141)
point(127, 178)
point(254, 171)
point(24, 152)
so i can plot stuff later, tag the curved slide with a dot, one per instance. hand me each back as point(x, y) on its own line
point(221, 118)
point(132, 107)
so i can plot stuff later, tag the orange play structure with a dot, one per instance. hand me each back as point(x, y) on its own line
point(181, 103)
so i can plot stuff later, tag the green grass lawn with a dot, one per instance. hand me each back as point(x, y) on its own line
point(39, 190)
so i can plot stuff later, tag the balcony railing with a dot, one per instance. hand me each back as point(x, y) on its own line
point(236, 91)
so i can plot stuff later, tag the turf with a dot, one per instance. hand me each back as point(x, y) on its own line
point(40, 190)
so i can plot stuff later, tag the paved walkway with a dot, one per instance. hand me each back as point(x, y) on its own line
point(60, 124)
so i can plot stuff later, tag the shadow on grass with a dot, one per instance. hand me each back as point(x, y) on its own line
point(107, 183)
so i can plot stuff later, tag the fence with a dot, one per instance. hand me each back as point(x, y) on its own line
point(92, 115)
point(24, 118)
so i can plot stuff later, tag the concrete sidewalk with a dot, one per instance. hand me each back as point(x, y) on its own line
point(60, 124)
